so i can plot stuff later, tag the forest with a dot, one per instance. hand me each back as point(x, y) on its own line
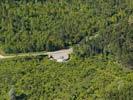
point(100, 33)
point(91, 26)
point(79, 79)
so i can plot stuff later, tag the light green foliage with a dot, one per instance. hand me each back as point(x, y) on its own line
point(92, 78)
point(12, 94)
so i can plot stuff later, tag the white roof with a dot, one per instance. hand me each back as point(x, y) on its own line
point(62, 56)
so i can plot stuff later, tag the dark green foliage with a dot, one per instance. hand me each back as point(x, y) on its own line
point(45, 25)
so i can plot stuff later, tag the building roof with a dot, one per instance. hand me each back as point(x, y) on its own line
point(63, 56)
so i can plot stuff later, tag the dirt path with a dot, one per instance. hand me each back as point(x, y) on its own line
point(68, 51)
point(1, 57)
point(22, 55)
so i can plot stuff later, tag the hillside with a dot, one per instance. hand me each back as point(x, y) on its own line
point(38, 25)
point(100, 32)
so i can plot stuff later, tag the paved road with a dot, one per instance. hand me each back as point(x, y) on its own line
point(67, 51)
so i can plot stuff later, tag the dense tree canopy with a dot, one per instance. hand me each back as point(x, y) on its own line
point(100, 32)
point(95, 26)
point(94, 78)
point(33, 26)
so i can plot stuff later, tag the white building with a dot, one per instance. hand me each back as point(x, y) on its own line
point(60, 56)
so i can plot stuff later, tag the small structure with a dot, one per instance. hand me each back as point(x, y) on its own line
point(60, 56)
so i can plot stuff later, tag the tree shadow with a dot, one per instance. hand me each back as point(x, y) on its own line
point(21, 97)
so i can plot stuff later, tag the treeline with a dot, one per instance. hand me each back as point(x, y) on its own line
point(94, 78)
point(91, 26)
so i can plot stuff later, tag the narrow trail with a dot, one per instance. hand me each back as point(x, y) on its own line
point(22, 55)
point(68, 51)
